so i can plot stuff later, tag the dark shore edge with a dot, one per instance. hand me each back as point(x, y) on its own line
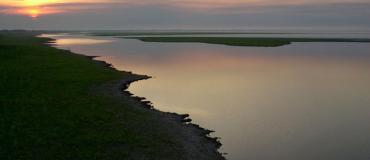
point(244, 41)
point(183, 122)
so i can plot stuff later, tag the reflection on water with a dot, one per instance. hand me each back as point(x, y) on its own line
point(80, 41)
point(306, 101)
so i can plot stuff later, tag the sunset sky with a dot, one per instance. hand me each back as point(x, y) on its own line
point(184, 14)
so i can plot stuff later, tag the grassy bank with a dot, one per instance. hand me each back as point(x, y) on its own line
point(50, 109)
point(254, 42)
point(178, 33)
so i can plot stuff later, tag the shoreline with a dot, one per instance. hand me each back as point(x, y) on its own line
point(196, 140)
point(245, 41)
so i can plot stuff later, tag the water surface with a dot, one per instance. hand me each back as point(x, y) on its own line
point(306, 101)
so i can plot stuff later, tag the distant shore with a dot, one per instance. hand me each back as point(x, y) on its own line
point(244, 41)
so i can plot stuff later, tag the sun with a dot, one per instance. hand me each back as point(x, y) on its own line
point(33, 13)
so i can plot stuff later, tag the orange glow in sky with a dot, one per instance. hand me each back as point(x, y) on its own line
point(34, 12)
point(33, 3)
point(37, 2)
point(36, 8)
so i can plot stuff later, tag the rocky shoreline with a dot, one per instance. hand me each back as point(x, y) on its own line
point(195, 138)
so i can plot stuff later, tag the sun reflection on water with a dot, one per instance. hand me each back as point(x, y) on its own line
point(80, 41)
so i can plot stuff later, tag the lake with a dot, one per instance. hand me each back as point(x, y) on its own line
point(306, 101)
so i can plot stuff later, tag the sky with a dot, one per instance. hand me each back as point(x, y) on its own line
point(185, 14)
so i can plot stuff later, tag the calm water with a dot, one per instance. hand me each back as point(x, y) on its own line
point(305, 101)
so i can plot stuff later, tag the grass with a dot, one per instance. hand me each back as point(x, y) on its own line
point(174, 33)
point(48, 111)
point(151, 33)
point(236, 41)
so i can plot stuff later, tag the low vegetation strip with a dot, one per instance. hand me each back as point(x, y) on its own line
point(163, 33)
point(51, 108)
point(237, 41)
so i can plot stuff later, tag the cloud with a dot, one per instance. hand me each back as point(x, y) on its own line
point(177, 3)
point(235, 3)
point(134, 14)
point(67, 6)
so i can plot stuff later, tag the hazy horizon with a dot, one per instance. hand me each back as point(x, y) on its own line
point(185, 15)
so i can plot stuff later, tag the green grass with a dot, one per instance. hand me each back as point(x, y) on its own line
point(48, 109)
point(150, 33)
point(235, 41)
point(174, 33)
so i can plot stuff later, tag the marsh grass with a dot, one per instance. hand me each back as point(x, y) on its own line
point(47, 109)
